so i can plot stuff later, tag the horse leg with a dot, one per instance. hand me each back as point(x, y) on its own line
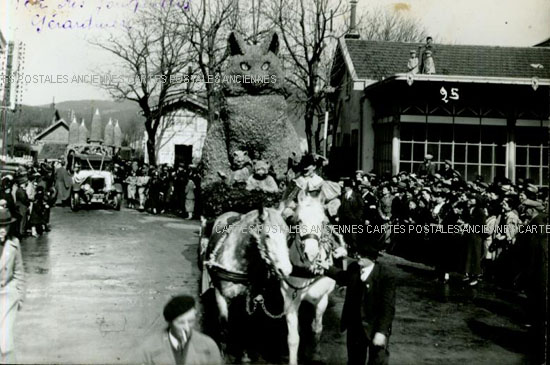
point(317, 324)
point(223, 315)
point(293, 338)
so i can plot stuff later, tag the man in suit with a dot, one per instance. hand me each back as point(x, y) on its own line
point(427, 169)
point(350, 214)
point(533, 260)
point(180, 343)
point(369, 306)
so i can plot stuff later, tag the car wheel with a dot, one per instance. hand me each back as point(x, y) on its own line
point(75, 200)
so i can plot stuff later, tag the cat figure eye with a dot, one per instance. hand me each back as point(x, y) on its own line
point(265, 66)
point(245, 66)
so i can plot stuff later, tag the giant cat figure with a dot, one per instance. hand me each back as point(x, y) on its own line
point(254, 115)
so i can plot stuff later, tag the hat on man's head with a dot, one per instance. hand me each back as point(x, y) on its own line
point(5, 215)
point(402, 185)
point(178, 306)
point(428, 157)
point(529, 203)
point(532, 188)
point(448, 162)
point(23, 179)
point(368, 250)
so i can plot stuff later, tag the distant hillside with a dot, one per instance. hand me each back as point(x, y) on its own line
point(127, 113)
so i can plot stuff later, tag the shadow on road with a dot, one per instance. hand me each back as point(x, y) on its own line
point(511, 339)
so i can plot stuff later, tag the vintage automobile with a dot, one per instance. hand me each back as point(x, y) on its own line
point(93, 182)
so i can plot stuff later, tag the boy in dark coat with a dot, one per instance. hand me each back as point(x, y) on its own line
point(369, 306)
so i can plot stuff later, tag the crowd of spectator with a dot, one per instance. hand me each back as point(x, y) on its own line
point(159, 189)
point(29, 194)
point(484, 218)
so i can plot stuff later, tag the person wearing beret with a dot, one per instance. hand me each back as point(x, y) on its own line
point(369, 306)
point(427, 168)
point(180, 343)
point(447, 172)
point(12, 285)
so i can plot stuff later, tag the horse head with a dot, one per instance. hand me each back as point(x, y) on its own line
point(272, 238)
point(310, 219)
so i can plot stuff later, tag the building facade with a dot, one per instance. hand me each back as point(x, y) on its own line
point(484, 108)
point(181, 133)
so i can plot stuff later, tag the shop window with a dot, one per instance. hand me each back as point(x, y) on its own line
point(532, 154)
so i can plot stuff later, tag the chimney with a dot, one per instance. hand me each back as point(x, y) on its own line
point(352, 33)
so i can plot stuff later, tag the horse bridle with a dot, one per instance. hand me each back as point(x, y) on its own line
point(301, 239)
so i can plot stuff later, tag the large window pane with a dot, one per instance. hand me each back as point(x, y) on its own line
point(521, 156)
point(406, 151)
point(500, 172)
point(406, 131)
point(534, 156)
point(405, 166)
point(473, 154)
point(419, 132)
point(467, 133)
point(460, 153)
point(532, 136)
point(545, 176)
point(521, 173)
point(487, 173)
point(440, 132)
point(493, 134)
point(446, 152)
point(471, 172)
point(433, 149)
point(418, 152)
point(545, 157)
point(487, 154)
point(534, 173)
point(500, 154)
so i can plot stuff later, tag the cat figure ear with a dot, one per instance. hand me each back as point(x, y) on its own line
point(236, 44)
point(272, 44)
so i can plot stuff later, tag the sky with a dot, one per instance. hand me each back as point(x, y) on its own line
point(55, 58)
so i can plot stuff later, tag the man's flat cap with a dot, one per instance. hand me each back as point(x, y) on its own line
point(178, 306)
point(528, 203)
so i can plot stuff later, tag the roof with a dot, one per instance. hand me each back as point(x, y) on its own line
point(45, 132)
point(545, 43)
point(194, 103)
point(377, 60)
point(52, 151)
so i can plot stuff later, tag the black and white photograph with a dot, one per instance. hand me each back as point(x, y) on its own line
point(208, 182)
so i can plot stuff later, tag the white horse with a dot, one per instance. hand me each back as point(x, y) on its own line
point(309, 248)
point(239, 242)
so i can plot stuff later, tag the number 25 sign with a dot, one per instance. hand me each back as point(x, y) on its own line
point(446, 97)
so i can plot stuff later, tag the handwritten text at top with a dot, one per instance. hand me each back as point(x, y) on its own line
point(88, 14)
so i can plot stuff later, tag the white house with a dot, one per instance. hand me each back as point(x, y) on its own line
point(180, 136)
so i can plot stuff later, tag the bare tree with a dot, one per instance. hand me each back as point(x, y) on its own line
point(151, 51)
point(382, 25)
point(207, 25)
point(305, 27)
